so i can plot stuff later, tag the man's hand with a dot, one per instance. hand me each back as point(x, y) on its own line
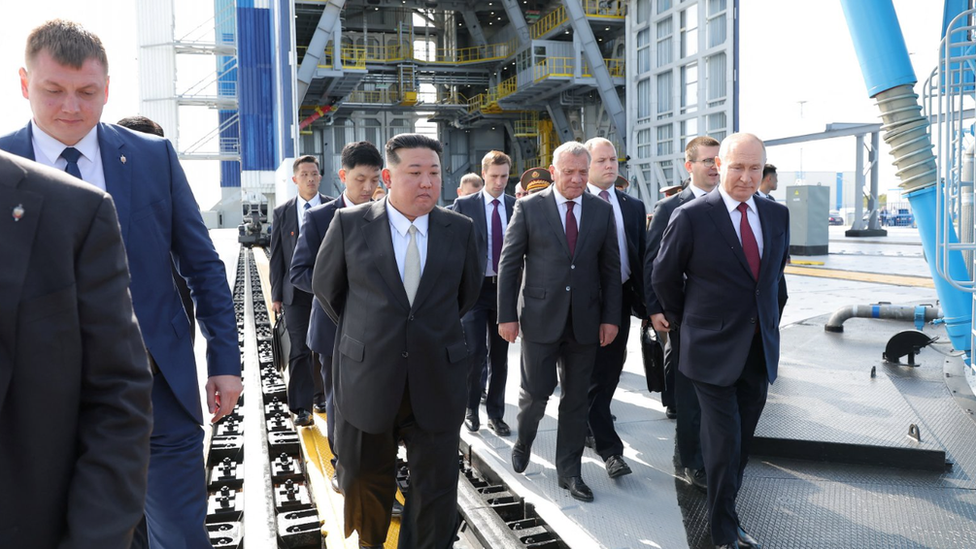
point(222, 393)
point(608, 332)
point(660, 323)
point(276, 307)
point(509, 331)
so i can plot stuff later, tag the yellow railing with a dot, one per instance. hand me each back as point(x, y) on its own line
point(549, 22)
point(356, 57)
point(527, 125)
point(606, 9)
point(565, 67)
point(374, 97)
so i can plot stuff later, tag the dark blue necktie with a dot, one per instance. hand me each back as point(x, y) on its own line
point(72, 155)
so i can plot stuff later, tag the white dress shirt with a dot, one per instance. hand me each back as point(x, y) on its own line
point(618, 216)
point(561, 206)
point(47, 151)
point(698, 193)
point(732, 205)
point(503, 213)
point(300, 207)
point(399, 231)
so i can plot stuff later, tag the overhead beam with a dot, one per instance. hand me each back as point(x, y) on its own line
point(832, 131)
point(328, 21)
point(474, 27)
point(514, 12)
point(593, 56)
point(559, 120)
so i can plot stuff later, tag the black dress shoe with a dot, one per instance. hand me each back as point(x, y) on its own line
point(472, 422)
point(484, 397)
point(499, 427)
point(732, 545)
point(520, 456)
point(577, 488)
point(335, 483)
point(670, 412)
point(746, 541)
point(303, 418)
point(397, 511)
point(696, 478)
point(319, 407)
point(617, 467)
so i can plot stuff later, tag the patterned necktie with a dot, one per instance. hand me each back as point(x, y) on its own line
point(496, 236)
point(411, 266)
point(72, 155)
point(605, 195)
point(572, 231)
point(749, 246)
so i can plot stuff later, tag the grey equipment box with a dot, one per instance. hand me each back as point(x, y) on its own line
point(809, 212)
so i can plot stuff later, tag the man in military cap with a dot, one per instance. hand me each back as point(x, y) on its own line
point(535, 179)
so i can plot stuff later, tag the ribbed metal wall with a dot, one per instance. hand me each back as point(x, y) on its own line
point(226, 34)
point(286, 113)
point(256, 97)
point(157, 60)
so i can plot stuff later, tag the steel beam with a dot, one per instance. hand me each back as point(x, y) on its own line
point(593, 56)
point(316, 46)
point(559, 120)
point(514, 12)
point(474, 27)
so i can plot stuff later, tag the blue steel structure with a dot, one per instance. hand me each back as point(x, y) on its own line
point(226, 34)
point(889, 76)
point(255, 86)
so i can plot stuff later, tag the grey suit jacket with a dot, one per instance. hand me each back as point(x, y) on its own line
point(555, 283)
point(382, 339)
point(75, 386)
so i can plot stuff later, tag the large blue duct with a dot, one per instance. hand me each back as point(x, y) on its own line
point(889, 77)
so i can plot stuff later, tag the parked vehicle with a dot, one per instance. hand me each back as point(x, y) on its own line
point(835, 218)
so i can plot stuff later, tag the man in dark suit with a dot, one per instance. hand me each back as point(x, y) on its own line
point(562, 242)
point(679, 395)
point(75, 385)
point(719, 275)
point(288, 224)
point(490, 209)
point(360, 173)
point(66, 82)
point(770, 182)
point(629, 217)
point(397, 276)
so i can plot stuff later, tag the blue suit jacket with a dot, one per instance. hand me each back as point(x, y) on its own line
point(161, 222)
point(473, 206)
point(705, 285)
point(321, 329)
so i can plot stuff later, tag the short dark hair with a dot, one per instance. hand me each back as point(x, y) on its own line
point(302, 160)
point(361, 153)
point(409, 141)
point(768, 169)
point(141, 124)
point(691, 149)
point(66, 42)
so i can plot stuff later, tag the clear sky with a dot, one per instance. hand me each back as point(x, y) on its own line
point(791, 52)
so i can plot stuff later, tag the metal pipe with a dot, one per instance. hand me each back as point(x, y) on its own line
point(889, 77)
point(883, 311)
point(966, 222)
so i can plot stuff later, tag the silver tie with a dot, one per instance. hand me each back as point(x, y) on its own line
point(411, 266)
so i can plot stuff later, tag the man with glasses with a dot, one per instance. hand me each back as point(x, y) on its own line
point(679, 394)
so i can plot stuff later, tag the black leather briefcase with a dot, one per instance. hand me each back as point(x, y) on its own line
point(280, 343)
point(653, 354)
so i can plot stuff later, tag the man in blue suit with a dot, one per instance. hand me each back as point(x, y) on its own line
point(66, 81)
point(719, 276)
point(489, 209)
point(360, 173)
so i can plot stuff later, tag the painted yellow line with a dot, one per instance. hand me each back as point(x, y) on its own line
point(805, 262)
point(859, 276)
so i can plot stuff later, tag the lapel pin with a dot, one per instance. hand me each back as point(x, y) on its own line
point(122, 158)
point(18, 212)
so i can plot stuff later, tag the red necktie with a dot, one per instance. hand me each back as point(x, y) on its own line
point(496, 236)
point(749, 246)
point(572, 231)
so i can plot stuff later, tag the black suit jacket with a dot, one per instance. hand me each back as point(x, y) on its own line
point(659, 221)
point(706, 286)
point(321, 328)
point(635, 220)
point(75, 386)
point(284, 237)
point(473, 206)
point(555, 283)
point(383, 340)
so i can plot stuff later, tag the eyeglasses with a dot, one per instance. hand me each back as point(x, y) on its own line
point(706, 161)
